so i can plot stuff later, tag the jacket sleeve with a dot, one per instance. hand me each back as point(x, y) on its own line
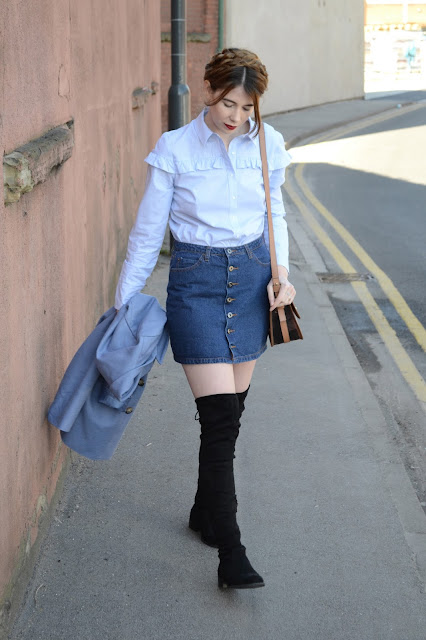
point(278, 160)
point(147, 234)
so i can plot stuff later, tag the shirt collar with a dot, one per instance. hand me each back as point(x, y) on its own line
point(205, 133)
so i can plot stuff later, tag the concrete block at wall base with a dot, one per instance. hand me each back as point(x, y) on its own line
point(32, 163)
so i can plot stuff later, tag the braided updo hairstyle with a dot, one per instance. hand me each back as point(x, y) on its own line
point(231, 68)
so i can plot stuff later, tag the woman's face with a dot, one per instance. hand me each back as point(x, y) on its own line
point(228, 118)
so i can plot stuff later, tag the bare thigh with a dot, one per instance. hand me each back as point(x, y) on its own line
point(209, 379)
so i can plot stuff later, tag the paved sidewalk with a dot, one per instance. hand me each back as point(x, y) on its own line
point(328, 515)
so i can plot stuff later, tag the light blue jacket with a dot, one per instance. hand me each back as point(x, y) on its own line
point(106, 378)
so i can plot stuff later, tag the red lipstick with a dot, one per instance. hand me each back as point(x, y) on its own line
point(228, 126)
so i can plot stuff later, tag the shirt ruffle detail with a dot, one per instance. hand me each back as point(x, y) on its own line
point(279, 160)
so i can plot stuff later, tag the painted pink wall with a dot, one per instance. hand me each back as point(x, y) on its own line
point(62, 244)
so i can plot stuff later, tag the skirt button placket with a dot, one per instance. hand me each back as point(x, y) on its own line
point(230, 315)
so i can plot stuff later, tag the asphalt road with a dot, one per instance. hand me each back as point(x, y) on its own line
point(376, 193)
point(371, 178)
point(401, 95)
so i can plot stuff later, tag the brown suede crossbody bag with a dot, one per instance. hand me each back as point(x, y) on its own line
point(283, 325)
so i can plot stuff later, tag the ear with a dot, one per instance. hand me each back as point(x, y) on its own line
point(207, 92)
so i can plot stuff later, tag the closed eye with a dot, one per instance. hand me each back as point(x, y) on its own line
point(231, 104)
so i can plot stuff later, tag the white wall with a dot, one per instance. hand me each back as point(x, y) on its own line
point(313, 49)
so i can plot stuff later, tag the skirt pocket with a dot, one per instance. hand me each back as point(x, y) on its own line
point(261, 255)
point(185, 260)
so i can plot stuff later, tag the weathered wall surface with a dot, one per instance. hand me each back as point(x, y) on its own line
point(313, 49)
point(62, 244)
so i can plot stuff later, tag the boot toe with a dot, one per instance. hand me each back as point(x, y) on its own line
point(236, 572)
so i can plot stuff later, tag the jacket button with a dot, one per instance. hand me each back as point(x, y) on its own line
point(129, 410)
point(228, 299)
point(231, 268)
point(141, 382)
point(230, 315)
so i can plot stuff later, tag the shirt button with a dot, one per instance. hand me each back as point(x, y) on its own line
point(233, 197)
point(229, 299)
point(231, 268)
point(230, 315)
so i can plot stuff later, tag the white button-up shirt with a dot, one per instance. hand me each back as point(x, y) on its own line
point(208, 195)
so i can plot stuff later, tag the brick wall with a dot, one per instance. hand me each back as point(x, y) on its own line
point(202, 29)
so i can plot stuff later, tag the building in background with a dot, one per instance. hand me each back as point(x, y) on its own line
point(384, 13)
point(395, 45)
point(314, 51)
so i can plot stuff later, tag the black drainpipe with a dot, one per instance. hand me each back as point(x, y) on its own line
point(179, 94)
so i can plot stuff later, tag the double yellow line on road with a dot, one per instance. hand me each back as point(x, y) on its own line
point(387, 333)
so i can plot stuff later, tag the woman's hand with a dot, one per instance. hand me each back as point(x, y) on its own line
point(286, 293)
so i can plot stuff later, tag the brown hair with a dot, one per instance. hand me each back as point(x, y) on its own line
point(234, 67)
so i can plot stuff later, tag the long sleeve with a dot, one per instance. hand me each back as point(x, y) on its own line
point(280, 159)
point(147, 234)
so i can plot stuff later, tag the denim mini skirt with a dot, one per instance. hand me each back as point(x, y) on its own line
point(217, 303)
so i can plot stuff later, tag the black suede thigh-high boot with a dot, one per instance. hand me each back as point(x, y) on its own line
point(219, 419)
point(199, 518)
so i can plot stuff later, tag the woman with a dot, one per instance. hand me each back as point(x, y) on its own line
point(205, 179)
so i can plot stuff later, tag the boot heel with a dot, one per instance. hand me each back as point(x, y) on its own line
point(199, 522)
point(221, 583)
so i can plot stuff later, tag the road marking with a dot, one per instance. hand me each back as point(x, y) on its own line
point(413, 323)
point(389, 337)
point(402, 360)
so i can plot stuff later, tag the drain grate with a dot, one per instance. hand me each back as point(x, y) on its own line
point(344, 277)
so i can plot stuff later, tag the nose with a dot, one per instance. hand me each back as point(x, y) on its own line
point(236, 116)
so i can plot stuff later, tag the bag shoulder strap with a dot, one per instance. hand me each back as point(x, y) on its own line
point(274, 266)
